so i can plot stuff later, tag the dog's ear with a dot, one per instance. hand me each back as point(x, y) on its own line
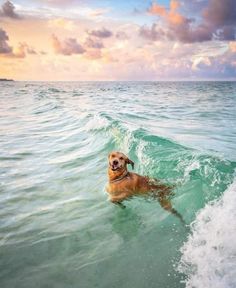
point(128, 161)
point(110, 154)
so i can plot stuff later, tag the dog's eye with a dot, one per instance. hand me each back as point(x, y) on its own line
point(112, 156)
point(121, 158)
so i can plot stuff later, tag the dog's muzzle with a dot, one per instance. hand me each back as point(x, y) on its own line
point(114, 165)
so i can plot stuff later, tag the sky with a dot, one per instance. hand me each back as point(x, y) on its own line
point(111, 40)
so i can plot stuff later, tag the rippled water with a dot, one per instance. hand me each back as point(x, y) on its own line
point(57, 228)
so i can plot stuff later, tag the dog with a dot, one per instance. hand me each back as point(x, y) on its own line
point(123, 184)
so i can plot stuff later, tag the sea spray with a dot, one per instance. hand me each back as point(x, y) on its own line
point(209, 255)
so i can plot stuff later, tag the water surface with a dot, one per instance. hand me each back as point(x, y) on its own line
point(57, 228)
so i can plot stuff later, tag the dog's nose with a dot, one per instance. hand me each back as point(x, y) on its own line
point(115, 162)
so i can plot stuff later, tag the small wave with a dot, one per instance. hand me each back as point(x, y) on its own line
point(55, 90)
point(96, 123)
point(209, 255)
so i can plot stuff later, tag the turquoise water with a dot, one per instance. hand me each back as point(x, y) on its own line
point(57, 228)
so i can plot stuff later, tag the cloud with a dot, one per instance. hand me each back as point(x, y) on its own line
point(171, 16)
point(18, 52)
point(221, 67)
point(8, 10)
point(31, 50)
point(102, 33)
point(58, 2)
point(62, 23)
point(216, 22)
point(4, 47)
point(93, 43)
point(221, 17)
point(157, 9)
point(99, 12)
point(67, 47)
point(220, 13)
point(22, 49)
point(232, 47)
point(154, 33)
point(121, 35)
point(93, 54)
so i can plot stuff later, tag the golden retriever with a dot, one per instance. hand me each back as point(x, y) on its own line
point(123, 184)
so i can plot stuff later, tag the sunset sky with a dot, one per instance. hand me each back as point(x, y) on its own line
point(118, 40)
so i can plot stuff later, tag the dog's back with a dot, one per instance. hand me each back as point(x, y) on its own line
point(134, 184)
point(124, 184)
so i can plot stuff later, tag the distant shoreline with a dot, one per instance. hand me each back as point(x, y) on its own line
point(3, 79)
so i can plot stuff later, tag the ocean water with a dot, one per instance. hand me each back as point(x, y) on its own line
point(57, 228)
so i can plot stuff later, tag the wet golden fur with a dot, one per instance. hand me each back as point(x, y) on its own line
point(123, 184)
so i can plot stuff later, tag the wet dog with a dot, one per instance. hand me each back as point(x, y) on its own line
point(123, 184)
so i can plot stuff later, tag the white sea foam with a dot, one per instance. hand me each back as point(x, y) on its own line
point(123, 140)
point(143, 158)
point(209, 255)
point(96, 122)
point(193, 165)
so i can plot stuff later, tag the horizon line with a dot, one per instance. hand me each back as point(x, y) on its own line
point(160, 80)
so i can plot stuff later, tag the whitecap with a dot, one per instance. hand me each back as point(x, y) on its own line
point(96, 123)
point(209, 255)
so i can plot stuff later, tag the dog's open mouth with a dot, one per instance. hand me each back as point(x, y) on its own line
point(114, 167)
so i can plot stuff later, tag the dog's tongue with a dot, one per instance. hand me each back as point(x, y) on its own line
point(114, 167)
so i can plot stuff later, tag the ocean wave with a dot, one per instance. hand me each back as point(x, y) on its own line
point(208, 256)
point(96, 122)
point(55, 138)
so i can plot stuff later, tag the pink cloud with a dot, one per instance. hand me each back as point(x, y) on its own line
point(101, 33)
point(93, 43)
point(121, 35)
point(67, 47)
point(154, 33)
point(93, 54)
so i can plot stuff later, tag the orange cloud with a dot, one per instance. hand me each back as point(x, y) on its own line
point(156, 9)
point(171, 16)
point(232, 46)
point(174, 5)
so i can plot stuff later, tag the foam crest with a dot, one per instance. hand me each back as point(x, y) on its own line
point(96, 123)
point(208, 256)
point(143, 158)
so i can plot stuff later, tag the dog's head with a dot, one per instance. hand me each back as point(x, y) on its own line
point(118, 161)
